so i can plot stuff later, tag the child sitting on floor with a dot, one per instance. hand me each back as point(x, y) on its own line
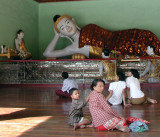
point(117, 91)
point(76, 117)
point(68, 83)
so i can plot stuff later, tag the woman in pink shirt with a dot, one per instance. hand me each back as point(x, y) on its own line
point(103, 116)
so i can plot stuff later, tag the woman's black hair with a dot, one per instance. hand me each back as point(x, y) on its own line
point(72, 90)
point(94, 83)
point(56, 17)
point(135, 73)
point(121, 76)
point(106, 52)
point(65, 75)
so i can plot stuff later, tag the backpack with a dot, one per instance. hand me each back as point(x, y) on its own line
point(138, 126)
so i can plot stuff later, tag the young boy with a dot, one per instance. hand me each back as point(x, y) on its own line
point(68, 83)
point(76, 118)
point(117, 91)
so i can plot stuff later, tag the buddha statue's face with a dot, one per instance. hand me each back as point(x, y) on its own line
point(21, 35)
point(67, 27)
point(149, 50)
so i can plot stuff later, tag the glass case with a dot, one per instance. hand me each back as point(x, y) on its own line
point(148, 68)
point(49, 71)
point(83, 71)
point(125, 65)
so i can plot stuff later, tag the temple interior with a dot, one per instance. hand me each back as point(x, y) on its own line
point(30, 75)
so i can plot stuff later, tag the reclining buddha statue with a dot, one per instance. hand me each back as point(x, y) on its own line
point(89, 41)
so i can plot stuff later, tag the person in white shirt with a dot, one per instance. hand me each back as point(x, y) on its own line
point(117, 90)
point(68, 83)
point(135, 94)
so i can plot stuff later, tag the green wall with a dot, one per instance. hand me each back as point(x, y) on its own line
point(109, 14)
point(19, 14)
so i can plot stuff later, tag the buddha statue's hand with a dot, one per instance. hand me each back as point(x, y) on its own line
point(55, 32)
point(22, 51)
point(58, 34)
point(61, 35)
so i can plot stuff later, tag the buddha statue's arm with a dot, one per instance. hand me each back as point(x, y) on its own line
point(50, 50)
point(69, 50)
point(148, 67)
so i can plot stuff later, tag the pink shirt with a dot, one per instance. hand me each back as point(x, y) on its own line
point(100, 110)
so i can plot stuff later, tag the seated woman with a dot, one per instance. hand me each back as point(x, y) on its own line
point(20, 46)
point(92, 39)
point(103, 116)
point(135, 94)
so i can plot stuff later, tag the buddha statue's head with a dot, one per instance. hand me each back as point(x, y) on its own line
point(65, 25)
point(150, 50)
point(20, 34)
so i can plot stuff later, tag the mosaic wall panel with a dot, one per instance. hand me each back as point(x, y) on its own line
point(49, 72)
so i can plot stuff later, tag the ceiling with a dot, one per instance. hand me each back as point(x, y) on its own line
point(42, 1)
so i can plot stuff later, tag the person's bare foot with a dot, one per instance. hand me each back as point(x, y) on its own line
point(122, 128)
point(75, 126)
point(82, 126)
point(153, 101)
point(91, 125)
point(127, 105)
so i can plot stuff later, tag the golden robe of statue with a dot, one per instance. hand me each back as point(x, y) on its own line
point(94, 53)
point(110, 67)
point(128, 42)
point(153, 75)
point(156, 72)
point(26, 54)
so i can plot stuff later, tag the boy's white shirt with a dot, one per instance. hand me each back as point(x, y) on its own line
point(135, 89)
point(117, 88)
point(68, 84)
